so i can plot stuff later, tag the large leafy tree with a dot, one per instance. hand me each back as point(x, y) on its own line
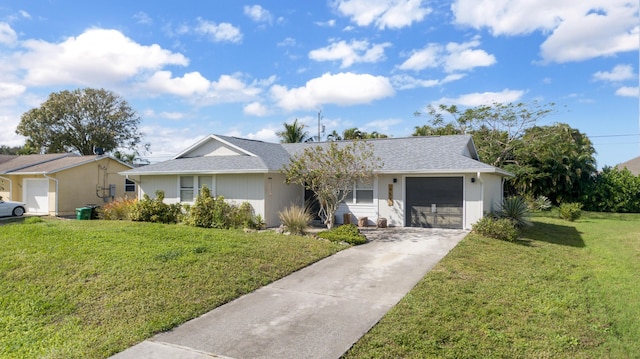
point(556, 161)
point(330, 172)
point(613, 190)
point(494, 127)
point(80, 121)
point(294, 133)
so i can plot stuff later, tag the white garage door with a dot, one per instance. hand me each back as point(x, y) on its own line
point(36, 192)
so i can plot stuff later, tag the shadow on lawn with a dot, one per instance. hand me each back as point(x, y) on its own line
point(551, 233)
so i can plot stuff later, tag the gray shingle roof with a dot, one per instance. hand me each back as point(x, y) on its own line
point(633, 165)
point(436, 154)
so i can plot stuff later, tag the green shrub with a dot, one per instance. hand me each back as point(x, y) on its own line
point(295, 219)
point(118, 209)
point(498, 228)
point(210, 212)
point(516, 210)
point(348, 233)
point(155, 210)
point(570, 211)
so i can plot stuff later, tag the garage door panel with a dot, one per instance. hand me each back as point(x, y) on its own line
point(37, 195)
point(434, 202)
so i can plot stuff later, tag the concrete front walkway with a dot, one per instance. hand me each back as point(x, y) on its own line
point(317, 312)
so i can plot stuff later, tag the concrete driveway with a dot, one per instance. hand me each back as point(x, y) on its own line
point(317, 312)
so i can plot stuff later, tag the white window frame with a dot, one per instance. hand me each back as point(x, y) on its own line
point(352, 198)
point(129, 185)
point(197, 186)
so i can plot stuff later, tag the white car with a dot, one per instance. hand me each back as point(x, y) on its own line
point(10, 208)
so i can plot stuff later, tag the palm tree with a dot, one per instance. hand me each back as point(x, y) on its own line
point(334, 136)
point(352, 134)
point(293, 133)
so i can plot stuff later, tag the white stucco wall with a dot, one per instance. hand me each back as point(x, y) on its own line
point(279, 196)
point(394, 213)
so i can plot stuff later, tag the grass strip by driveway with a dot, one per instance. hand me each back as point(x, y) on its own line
point(89, 289)
point(566, 290)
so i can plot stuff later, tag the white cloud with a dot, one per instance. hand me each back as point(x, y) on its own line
point(328, 23)
point(383, 13)
point(232, 88)
point(255, 109)
point(142, 18)
point(464, 56)
point(342, 89)
point(257, 13)
point(289, 41)
point(219, 32)
point(406, 82)
point(265, 134)
point(188, 85)
point(575, 31)
point(10, 90)
point(8, 36)
point(618, 73)
point(382, 125)
point(25, 14)
point(628, 91)
point(452, 57)
point(350, 53)
point(94, 58)
point(483, 98)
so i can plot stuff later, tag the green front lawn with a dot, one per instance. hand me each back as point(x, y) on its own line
point(89, 289)
point(566, 290)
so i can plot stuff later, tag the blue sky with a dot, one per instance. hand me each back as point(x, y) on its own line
point(242, 68)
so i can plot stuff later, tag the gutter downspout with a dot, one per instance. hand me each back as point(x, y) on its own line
point(10, 186)
point(56, 180)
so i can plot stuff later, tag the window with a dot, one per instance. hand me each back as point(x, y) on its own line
point(186, 189)
point(129, 185)
point(361, 193)
point(364, 192)
point(205, 181)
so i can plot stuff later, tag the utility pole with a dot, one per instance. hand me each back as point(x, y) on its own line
point(319, 119)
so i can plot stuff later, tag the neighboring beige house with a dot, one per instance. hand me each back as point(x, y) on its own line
point(57, 184)
point(632, 165)
point(433, 181)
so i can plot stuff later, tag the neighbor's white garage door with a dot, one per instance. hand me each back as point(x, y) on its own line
point(36, 195)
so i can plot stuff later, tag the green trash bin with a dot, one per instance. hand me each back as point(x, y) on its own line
point(83, 213)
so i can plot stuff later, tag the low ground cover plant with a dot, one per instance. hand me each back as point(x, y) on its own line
point(90, 289)
point(348, 233)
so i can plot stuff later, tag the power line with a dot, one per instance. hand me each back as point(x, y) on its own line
point(633, 134)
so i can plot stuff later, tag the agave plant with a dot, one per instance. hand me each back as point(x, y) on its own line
point(516, 210)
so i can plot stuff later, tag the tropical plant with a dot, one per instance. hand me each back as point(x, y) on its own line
point(295, 219)
point(294, 133)
point(155, 210)
point(516, 210)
